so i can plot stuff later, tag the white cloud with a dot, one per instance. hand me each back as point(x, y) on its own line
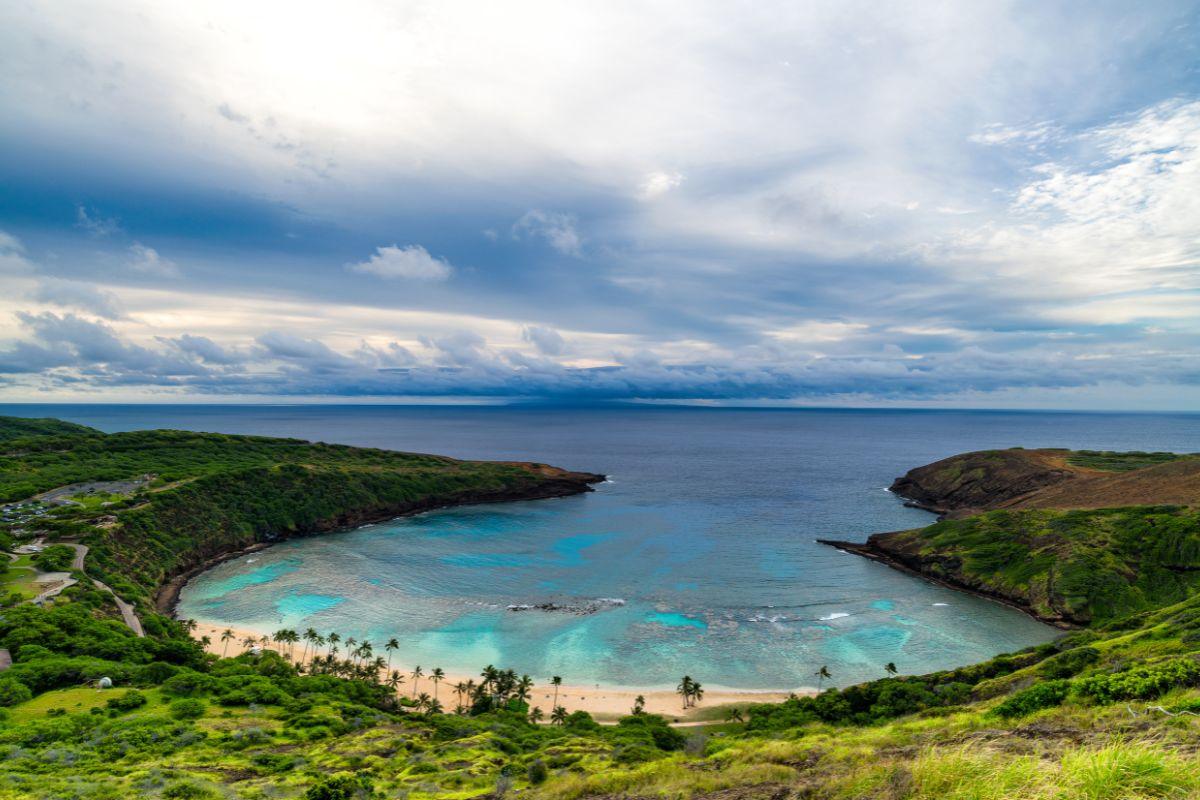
point(659, 183)
point(556, 228)
point(412, 262)
point(147, 261)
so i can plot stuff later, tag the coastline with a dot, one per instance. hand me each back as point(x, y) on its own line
point(605, 703)
point(869, 551)
point(166, 597)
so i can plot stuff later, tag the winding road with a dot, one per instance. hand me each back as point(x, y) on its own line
point(127, 613)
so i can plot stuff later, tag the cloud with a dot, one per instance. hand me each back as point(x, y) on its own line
point(146, 261)
point(205, 349)
point(659, 183)
point(95, 223)
point(547, 340)
point(412, 262)
point(556, 228)
point(76, 294)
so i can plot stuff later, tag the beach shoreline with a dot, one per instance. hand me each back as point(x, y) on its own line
point(603, 702)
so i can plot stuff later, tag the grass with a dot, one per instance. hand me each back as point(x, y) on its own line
point(72, 701)
point(1109, 461)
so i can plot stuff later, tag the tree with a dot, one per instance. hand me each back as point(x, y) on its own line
point(535, 715)
point(310, 638)
point(734, 715)
point(890, 668)
point(697, 692)
point(685, 690)
point(391, 646)
point(559, 717)
point(205, 641)
point(556, 682)
point(226, 635)
point(822, 676)
point(423, 701)
point(416, 676)
point(394, 680)
point(523, 687)
point(249, 642)
point(639, 705)
point(437, 676)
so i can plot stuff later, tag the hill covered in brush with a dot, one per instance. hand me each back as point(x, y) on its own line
point(1106, 712)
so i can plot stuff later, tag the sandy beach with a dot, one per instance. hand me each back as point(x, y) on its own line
point(603, 702)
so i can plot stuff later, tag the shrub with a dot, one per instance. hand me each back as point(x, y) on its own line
point(126, 702)
point(55, 558)
point(13, 692)
point(1069, 663)
point(343, 786)
point(188, 708)
point(1140, 682)
point(1042, 695)
point(538, 772)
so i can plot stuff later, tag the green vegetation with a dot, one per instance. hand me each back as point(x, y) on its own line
point(1110, 461)
point(1080, 566)
point(196, 495)
point(1104, 712)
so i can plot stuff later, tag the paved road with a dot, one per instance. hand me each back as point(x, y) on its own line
point(127, 613)
point(64, 580)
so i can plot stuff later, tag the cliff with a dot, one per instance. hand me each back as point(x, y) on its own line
point(1073, 538)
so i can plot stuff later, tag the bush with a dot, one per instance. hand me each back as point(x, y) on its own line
point(538, 772)
point(126, 702)
point(1042, 695)
point(55, 558)
point(13, 692)
point(188, 708)
point(1140, 683)
point(1069, 663)
point(339, 787)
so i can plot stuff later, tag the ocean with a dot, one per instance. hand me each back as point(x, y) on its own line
point(698, 556)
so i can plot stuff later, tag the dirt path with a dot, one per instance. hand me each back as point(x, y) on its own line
point(5, 660)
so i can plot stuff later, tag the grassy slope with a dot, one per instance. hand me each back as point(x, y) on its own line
point(1067, 720)
point(211, 493)
point(1079, 565)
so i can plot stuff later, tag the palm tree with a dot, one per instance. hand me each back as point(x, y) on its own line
point(734, 715)
point(559, 717)
point(416, 676)
point(205, 641)
point(423, 701)
point(460, 689)
point(265, 641)
point(394, 680)
point(350, 648)
point(697, 692)
point(189, 625)
point(310, 638)
point(535, 715)
point(639, 705)
point(391, 646)
point(226, 635)
point(890, 668)
point(437, 676)
point(685, 688)
point(433, 707)
point(822, 675)
point(556, 682)
point(523, 687)
point(333, 639)
point(249, 642)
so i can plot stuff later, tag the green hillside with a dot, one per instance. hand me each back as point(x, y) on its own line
point(1106, 712)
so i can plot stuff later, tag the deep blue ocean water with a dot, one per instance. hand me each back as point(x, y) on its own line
point(705, 535)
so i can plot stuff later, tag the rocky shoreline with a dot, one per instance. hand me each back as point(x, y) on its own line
point(557, 483)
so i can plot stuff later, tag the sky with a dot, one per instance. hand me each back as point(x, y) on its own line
point(973, 204)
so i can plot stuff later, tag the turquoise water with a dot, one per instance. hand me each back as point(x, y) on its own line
point(698, 558)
